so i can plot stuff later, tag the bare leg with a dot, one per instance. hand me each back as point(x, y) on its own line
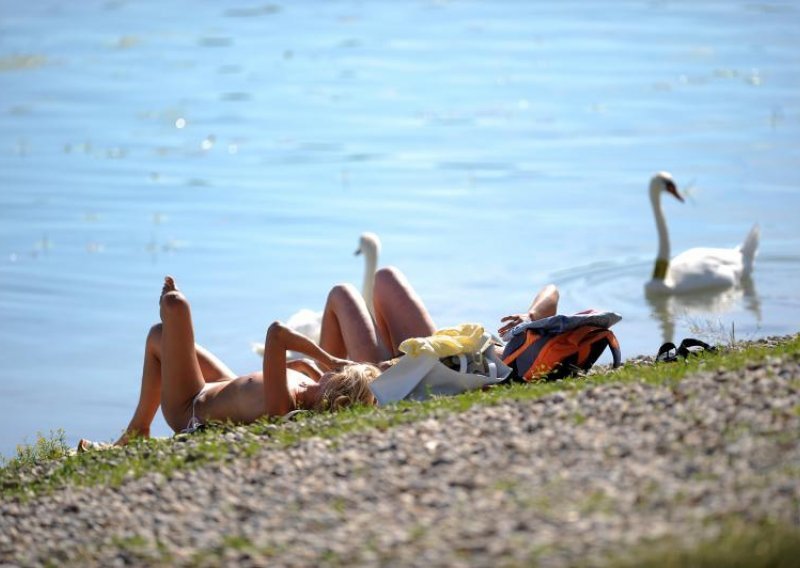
point(150, 395)
point(211, 366)
point(181, 375)
point(544, 305)
point(399, 311)
point(347, 327)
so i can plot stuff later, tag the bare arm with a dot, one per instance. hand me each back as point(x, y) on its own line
point(305, 366)
point(281, 339)
point(544, 305)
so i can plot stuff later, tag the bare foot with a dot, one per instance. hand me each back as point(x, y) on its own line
point(169, 285)
point(129, 435)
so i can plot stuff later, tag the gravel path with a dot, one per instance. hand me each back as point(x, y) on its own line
point(559, 480)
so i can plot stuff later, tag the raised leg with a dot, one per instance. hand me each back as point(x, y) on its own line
point(347, 327)
point(399, 311)
point(544, 305)
point(181, 375)
point(211, 367)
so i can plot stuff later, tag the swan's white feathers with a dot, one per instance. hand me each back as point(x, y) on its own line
point(705, 268)
point(309, 322)
point(699, 268)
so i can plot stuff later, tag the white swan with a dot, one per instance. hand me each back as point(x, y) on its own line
point(698, 268)
point(306, 321)
point(370, 246)
point(309, 322)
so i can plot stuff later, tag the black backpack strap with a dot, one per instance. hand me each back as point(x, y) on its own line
point(606, 339)
point(616, 352)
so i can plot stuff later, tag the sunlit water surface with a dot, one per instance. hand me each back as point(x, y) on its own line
point(494, 147)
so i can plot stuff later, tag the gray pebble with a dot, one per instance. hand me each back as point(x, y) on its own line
point(517, 483)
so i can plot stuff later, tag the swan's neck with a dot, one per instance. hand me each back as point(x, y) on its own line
point(370, 266)
point(662, 258)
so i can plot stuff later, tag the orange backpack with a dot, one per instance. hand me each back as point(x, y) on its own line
point(542, 355)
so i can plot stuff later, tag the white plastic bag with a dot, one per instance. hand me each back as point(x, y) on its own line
point(423, 376)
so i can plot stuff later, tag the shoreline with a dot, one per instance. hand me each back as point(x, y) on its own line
point(681, 454)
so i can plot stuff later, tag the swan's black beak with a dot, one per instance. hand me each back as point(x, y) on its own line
point(358, 252)
point(672, 189)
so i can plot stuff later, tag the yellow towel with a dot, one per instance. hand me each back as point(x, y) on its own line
point(464, 338)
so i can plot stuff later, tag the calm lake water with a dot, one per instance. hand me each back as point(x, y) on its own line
point(493, 146)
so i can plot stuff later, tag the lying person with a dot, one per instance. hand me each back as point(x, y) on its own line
point(349, 331)
point(192, 386)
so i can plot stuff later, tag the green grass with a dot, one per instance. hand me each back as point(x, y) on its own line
point(44, 449)
point(233, 549)
point(45, 466)
point(737, 545)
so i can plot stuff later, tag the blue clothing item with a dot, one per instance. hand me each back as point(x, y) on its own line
point(562, 323)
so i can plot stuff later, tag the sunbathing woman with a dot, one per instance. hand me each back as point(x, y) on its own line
point(349, 331)
point(192, 386)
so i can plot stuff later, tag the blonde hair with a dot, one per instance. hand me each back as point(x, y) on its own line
point(348, 386)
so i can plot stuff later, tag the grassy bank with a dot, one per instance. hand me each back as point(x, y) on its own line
point(737, 545)
point(50, 464)
point(700, 471)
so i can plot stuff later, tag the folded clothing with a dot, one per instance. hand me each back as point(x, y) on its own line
point(463, 338)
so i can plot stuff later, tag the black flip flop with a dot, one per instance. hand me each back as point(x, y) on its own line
point(692, 346)
point(667, 353)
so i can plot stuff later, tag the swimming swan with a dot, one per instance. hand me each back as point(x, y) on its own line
point(698, 268)
point(308, 322)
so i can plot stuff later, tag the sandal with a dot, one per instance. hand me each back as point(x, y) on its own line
point(85, 445)
point(692, 346)
point(668, 353)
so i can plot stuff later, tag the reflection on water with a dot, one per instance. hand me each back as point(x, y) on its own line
point(701, 311)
